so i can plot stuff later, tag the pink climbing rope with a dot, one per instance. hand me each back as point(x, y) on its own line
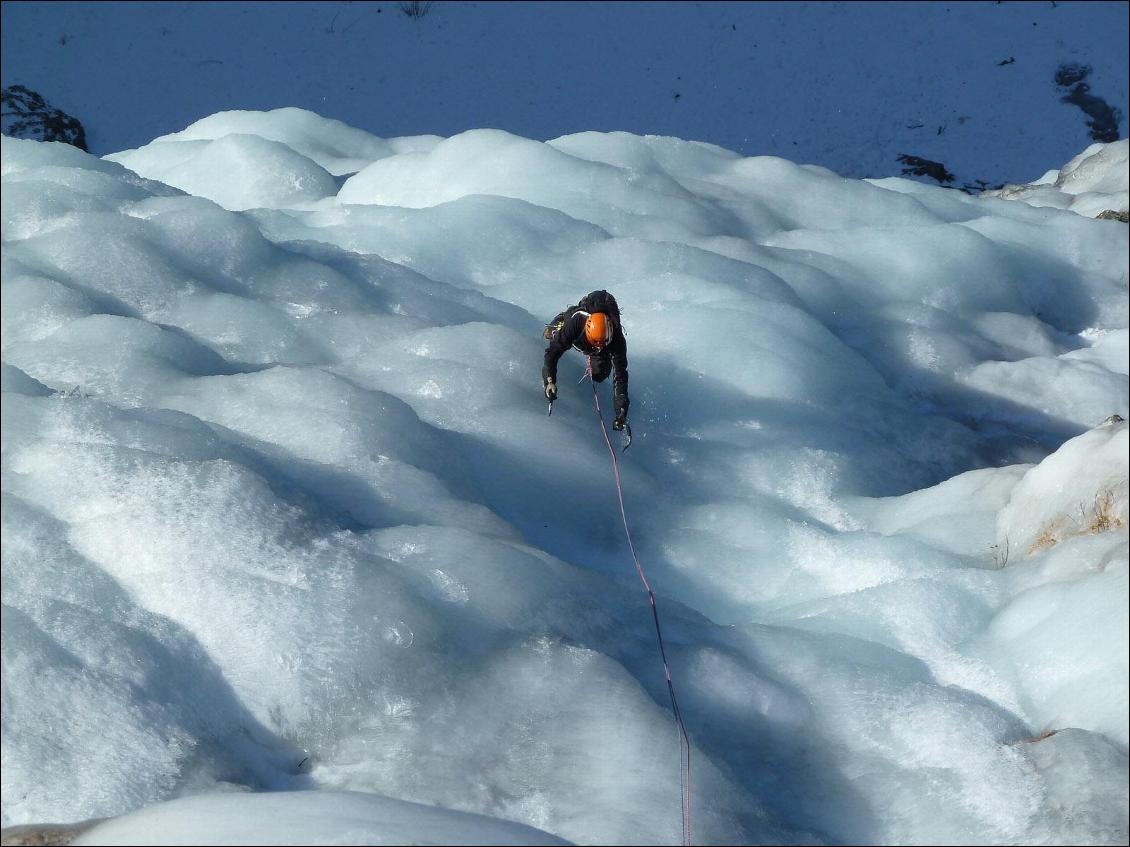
point(684, 740)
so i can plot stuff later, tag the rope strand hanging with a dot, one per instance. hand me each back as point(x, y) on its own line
point(684, 740)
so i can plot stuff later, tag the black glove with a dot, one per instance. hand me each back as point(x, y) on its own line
point(550, 390)
point(620, 422)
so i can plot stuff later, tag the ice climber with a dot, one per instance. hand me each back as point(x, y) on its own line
point(592, 327)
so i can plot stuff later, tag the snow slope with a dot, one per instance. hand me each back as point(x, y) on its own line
point(283, 511)
point(848, 86)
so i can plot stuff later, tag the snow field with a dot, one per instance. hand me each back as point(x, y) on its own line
point(283, 508)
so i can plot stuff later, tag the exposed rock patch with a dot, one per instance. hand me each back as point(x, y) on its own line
point(27, 115)
point(45, 834)
point(917, 166)
point(1102, 117)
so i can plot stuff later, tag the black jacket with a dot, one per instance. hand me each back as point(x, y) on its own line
point(572, 334)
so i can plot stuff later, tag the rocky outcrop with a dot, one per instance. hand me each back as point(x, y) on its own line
point(45, 834)
point(27, 115)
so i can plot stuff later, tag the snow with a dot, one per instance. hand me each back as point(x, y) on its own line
point(304, 818)
point(292, 552)
point(1052, 498)
point(1091, 183)
point(848, 86)
point(283, 510)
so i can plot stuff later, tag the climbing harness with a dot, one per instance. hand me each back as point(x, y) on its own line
point(684, 740)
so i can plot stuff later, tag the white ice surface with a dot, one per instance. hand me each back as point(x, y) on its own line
point(283, 510)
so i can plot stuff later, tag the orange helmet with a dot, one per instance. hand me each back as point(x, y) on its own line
point(598, 330)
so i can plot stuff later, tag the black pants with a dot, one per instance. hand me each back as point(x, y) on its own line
point(601, 367)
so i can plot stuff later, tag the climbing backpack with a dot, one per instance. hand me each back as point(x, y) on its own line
point(601, 301)
point(597, 301)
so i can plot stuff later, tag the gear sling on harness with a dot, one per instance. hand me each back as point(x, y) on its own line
point(684, 740)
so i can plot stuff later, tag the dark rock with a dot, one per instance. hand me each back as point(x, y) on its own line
point(1102, 117)
point(46, 834)
point(916, 166)
point(27, 115)
point(1069, 74)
